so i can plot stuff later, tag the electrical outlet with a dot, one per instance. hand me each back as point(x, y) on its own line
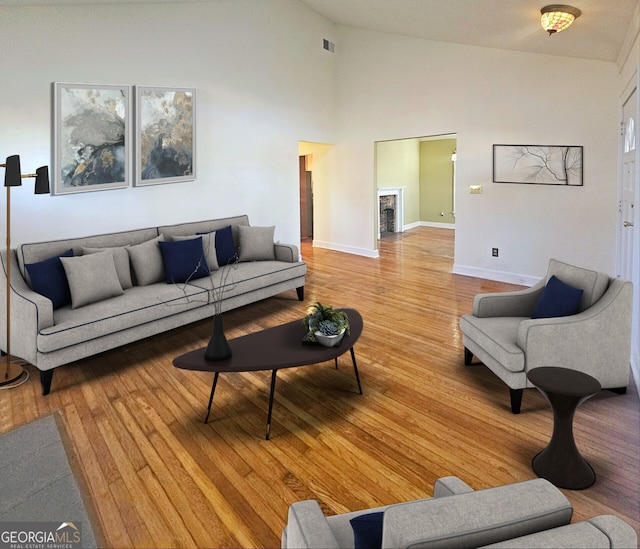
point(494, 252)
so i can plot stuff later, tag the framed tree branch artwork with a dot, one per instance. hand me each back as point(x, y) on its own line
point(166, 135)
point(92, 137)
point(538, 164)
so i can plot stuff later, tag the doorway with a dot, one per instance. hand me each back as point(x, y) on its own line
point(419, 173)
point(312, 169)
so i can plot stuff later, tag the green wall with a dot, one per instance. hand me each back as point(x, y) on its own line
point(436, 180)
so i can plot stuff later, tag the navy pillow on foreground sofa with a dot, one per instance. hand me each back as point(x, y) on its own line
point(367, 530)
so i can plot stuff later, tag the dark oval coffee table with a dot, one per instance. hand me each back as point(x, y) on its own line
point(560, 462)
point(274, 349)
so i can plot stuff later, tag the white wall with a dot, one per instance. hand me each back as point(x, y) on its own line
point(393, 87)
point(263, 83)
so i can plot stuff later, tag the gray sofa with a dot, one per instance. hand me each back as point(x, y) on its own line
point(533, 513)
point(142, 298)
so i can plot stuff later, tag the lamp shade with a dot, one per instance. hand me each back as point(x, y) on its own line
point(42, 180)
point(12, 171)
point(558, 17)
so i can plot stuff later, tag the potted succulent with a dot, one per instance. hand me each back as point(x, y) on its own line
point(325, 325)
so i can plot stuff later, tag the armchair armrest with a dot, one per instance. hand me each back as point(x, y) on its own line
point(476, 518)
point(307, 527)
point(449, 486)
point(517, 303)
point(286, 252)
point(596, 341)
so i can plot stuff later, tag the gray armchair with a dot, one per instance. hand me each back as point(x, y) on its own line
point(596, 340)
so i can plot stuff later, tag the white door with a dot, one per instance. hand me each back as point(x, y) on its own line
point(629, 181)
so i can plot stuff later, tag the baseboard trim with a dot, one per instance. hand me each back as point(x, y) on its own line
point(499, 276)
point(346, 249)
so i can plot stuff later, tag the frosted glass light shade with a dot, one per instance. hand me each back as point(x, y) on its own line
point(558, 17)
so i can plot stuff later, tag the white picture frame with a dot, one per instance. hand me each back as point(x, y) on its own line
point(165, 135)
point(92, 137)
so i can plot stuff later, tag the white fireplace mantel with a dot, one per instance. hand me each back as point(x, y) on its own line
point(398, 192)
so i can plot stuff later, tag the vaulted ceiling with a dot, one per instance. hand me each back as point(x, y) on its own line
point(605, 28)
point(604, 31)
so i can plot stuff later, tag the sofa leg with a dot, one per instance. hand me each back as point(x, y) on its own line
point(300, 292)
point(468, 357)
point(46, 376)
point(619, 390)
point(516, 399)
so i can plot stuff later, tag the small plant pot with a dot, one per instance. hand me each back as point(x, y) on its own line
point(329, 341)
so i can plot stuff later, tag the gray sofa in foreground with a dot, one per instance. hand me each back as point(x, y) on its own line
point(126, 286)
point(528, 514)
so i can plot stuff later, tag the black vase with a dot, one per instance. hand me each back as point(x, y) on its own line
point(218, 348)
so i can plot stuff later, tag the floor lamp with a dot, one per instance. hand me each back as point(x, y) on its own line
point(13, 178)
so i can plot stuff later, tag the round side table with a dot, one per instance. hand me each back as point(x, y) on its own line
point(560, 462)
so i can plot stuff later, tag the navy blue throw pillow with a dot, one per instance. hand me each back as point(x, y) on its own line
point(557, 299)
point(184, 260)
point(225, 247)
point(49, 279)
point(367, 530)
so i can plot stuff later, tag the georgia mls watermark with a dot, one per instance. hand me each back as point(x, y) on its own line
point(40, 535)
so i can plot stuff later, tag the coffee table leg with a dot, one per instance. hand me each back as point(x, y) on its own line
point(355, 368)
point(273, 388)
point(213, 390)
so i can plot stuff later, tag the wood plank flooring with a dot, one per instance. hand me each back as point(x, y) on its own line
point(160, 477)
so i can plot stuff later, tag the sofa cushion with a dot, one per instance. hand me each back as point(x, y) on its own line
point(91, 278)
point(226, 251)
point(121, 260)
point(498, 337)
point(184, 260)
point(146, 260)
point(367, 530)
point(209, 246)
point(49, 279)
point(256, 243)
point(557, 299)
point(145, 304)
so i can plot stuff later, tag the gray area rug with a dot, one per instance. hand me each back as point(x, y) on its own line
point(37, 485)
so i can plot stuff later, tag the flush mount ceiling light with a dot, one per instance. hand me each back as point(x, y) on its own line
point(557, 17)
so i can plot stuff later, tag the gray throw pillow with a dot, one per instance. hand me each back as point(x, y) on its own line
point(147, 263)
point(208, 245)
point(91, 278)
point(256, 243)
point(121, 259)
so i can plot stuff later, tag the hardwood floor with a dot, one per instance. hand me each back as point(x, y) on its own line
point(160, 477)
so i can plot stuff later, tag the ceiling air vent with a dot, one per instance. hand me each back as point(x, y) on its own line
point(329, 46)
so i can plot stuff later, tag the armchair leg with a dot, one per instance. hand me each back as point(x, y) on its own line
point(516, 400)
point(300, 292)
point(619, 390)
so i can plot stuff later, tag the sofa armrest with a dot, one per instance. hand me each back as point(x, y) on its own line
point(307, 527)
point(286, 252)
point(449, 486)
point(517, 303)
point(476, 518)
point(605, 532)
point(596, 341)
point(30, 311)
